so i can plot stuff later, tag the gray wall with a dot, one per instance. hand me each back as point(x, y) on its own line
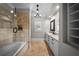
point(65, 22)
point(6, 33)
point(44, 27)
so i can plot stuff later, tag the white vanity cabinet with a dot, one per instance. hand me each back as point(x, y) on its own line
point(59, 48)
point(52, 43)
point(54, 46)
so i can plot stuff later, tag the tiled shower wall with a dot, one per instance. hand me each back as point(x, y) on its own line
point(7, 23)
point(6, 36)
point(22, 20)
point(6, 32)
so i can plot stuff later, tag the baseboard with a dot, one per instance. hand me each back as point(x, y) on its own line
point(38, 39)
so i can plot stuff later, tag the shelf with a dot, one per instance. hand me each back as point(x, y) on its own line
point(73, 25)
point(74, 28)
point(74, 12)
point(74, 21)
point(74, 36)
point(75, 45)
point(74, 33)
point(72, 5)
point(75, 41)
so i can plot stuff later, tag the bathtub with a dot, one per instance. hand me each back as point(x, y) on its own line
point(12, 49)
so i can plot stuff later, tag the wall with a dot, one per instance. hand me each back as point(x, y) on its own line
point(22, 19)
point(44, 27)
point(6, 33)
point(57, 22)
point(65, 22)
point(56, 17)
point(45, 22)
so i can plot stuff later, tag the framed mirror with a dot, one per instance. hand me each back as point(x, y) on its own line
point(52, 26)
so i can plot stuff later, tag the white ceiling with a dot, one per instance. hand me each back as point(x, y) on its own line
point(45, 9)
point(19, 5)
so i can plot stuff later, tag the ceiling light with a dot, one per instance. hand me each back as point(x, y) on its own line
point(11, 11)
point(57, 7)
point(49, 16)
point(53, 18)
point(37, 12)
point(34, 14)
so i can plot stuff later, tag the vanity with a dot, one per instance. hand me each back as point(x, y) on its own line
point(59, 48)
point(52, 41)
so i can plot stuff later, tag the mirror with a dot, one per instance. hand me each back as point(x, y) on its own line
point(52, 26)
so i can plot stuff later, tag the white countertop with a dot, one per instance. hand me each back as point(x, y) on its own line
point(53, 35)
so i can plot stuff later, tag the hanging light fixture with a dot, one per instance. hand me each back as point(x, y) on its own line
point(15, 28)
point(37, 11)
point(15, 12)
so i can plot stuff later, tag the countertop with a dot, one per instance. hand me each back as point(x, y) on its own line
point(53, 35)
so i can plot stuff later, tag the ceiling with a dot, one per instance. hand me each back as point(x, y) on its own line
point(45, 9)
point(20, 5)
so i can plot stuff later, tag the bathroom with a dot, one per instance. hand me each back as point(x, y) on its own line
point(38, 29)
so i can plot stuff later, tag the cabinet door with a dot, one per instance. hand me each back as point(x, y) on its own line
point(54, 46)
point(50, 42)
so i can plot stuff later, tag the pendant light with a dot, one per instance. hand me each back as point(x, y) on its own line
point(37, 11)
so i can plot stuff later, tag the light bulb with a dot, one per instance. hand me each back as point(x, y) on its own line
point(37, 11)
point(57, 7)
point(49, 16)
point(34, 15)
point(11, 11)
point(53, 18)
